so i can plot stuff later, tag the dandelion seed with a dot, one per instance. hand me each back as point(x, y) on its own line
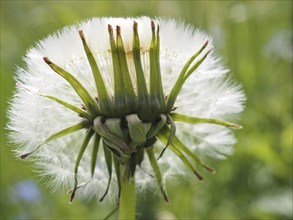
point(123, 102)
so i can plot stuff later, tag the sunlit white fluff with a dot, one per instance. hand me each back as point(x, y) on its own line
point(207, 93)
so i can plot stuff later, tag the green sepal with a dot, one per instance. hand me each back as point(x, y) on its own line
point(89, 102)
point(118, 79)
point(150, 142)
point(117, 142)
point(104, 100)
point(195, 120)
point(171, 134)
point(115, 149)
point(163, 136)
point(159, 77)
point(157, 126)
point(136, 158)
point(157, 172)
point(117, 171)
point(79, 156)
point(69, 106)
point(156, 89)
point(141, 84)
point(95, 153)
point(79, 186)
point(137, 129)
point(196, 65)
point(129, 95)
point(114, 126)
point(108, 159)
point(139, 156)
point(132, 165)
point(176, 142)
point(66, 131)
point(183, 76)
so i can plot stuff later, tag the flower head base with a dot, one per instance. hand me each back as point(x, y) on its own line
point(132, 108)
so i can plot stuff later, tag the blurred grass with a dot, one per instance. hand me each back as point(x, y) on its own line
point(255, 37)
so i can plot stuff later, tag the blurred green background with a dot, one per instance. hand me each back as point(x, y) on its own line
point(255, 37)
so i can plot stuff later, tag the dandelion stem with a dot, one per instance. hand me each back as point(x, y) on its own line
point(127, 202)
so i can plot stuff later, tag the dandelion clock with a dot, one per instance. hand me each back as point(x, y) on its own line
point(111, 106)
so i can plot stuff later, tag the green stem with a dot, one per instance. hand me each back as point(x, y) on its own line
point(127, 201)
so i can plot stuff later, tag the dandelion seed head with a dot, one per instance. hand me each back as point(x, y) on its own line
point(207, 93)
